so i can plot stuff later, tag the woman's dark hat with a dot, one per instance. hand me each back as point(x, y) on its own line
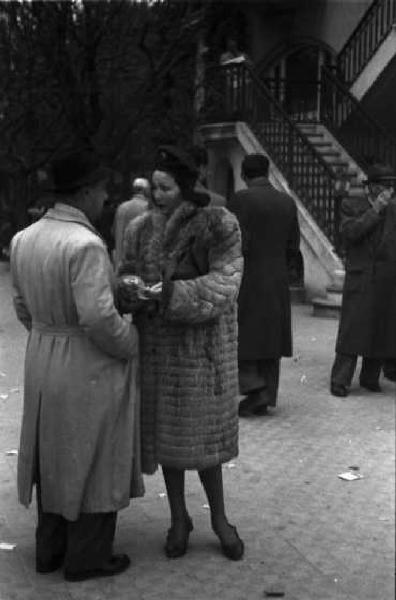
point(75, 170)
point(179, 164)
point(380, 173)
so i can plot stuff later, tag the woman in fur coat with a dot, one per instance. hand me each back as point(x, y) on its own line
point(188, 262)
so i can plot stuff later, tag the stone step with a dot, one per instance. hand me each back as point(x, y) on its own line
point(328, 307)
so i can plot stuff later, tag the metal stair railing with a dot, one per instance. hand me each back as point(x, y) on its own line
point(234, 92)
point(364, 41)
point(362, 137)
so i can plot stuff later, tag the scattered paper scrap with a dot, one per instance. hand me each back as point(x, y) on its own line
point(162, 495)
point(303, 379)
point(230, 465)
point(2, 374)
point(11, 452)
point(313, 339)
point(274, 591)
point(206, 506)
point(3, 396)
point(350, 476)
point(7, 546)
point(378, 428)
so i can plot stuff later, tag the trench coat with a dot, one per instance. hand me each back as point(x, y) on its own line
point(368, 313)
point(270, 238)
point(79, 419)
point(188, 344)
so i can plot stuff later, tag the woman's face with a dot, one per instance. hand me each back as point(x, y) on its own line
point(166, 192)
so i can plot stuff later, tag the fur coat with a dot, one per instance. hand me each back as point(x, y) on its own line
point(188, 342)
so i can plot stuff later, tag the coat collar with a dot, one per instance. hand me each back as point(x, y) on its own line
point(70, 214)
point(259, 182)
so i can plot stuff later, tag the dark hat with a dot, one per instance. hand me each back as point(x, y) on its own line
point(255, 165)
point(177, 163)
point(76, 169)
point(380, 173)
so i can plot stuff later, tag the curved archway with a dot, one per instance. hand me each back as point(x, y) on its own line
point(284, 49)
point(292, 72)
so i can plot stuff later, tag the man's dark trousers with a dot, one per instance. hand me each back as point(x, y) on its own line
point(85, 544)
point(344, 367)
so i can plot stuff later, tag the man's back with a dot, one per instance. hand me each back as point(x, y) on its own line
point(126, 212)
point(268, 220)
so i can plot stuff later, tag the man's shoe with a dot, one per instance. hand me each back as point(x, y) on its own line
point(371, 387)
point(245, 408)
point(261, 410)
point(338, 390)
point(49, 567)
point(115, 565)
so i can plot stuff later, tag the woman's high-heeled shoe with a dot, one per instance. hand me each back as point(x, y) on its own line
point(177, 541)
point(233, 550)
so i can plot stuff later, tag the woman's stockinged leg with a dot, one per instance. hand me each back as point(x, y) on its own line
point(181, 524)
point(174, 482)
point(212, 481)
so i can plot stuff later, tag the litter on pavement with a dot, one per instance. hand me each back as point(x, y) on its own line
point(11, 452)
point(205, 506)
point(350, 476)
point(230, 465)
point(303, 379)
point(274, 592)
point(3, 396)
point(7, 546)
point(162, 495)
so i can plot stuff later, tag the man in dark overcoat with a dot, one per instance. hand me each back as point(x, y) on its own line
point(270, 239)
point(368, 316)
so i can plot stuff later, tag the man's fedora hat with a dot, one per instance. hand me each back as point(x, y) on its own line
point(380, 173)
point(76, 169)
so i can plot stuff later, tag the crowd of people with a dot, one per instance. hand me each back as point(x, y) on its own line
point(138, 359)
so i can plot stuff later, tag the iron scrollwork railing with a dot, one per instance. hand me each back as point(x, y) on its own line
point(372, 29)
point(364, 139)
point(235, 92)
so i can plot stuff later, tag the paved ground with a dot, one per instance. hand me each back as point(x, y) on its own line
point(307, 532)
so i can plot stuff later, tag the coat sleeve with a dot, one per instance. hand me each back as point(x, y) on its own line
point(355, 223)
point(22, 311)
point(208, 296)
point(93, 297)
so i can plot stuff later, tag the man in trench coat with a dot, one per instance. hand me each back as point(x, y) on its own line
point(270, 239)
point(77, 438)
point(368, 316)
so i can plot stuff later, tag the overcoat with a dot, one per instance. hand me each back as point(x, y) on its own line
point(79, 402)
point(270, 237)
point(368, 314)
point(188, 346)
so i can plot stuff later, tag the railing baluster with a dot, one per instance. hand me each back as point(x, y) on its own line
point(366, 38)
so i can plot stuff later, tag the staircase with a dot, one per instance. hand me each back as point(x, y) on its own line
point(235, 94)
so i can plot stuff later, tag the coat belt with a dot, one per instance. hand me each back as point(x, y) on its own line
point(66, 330)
